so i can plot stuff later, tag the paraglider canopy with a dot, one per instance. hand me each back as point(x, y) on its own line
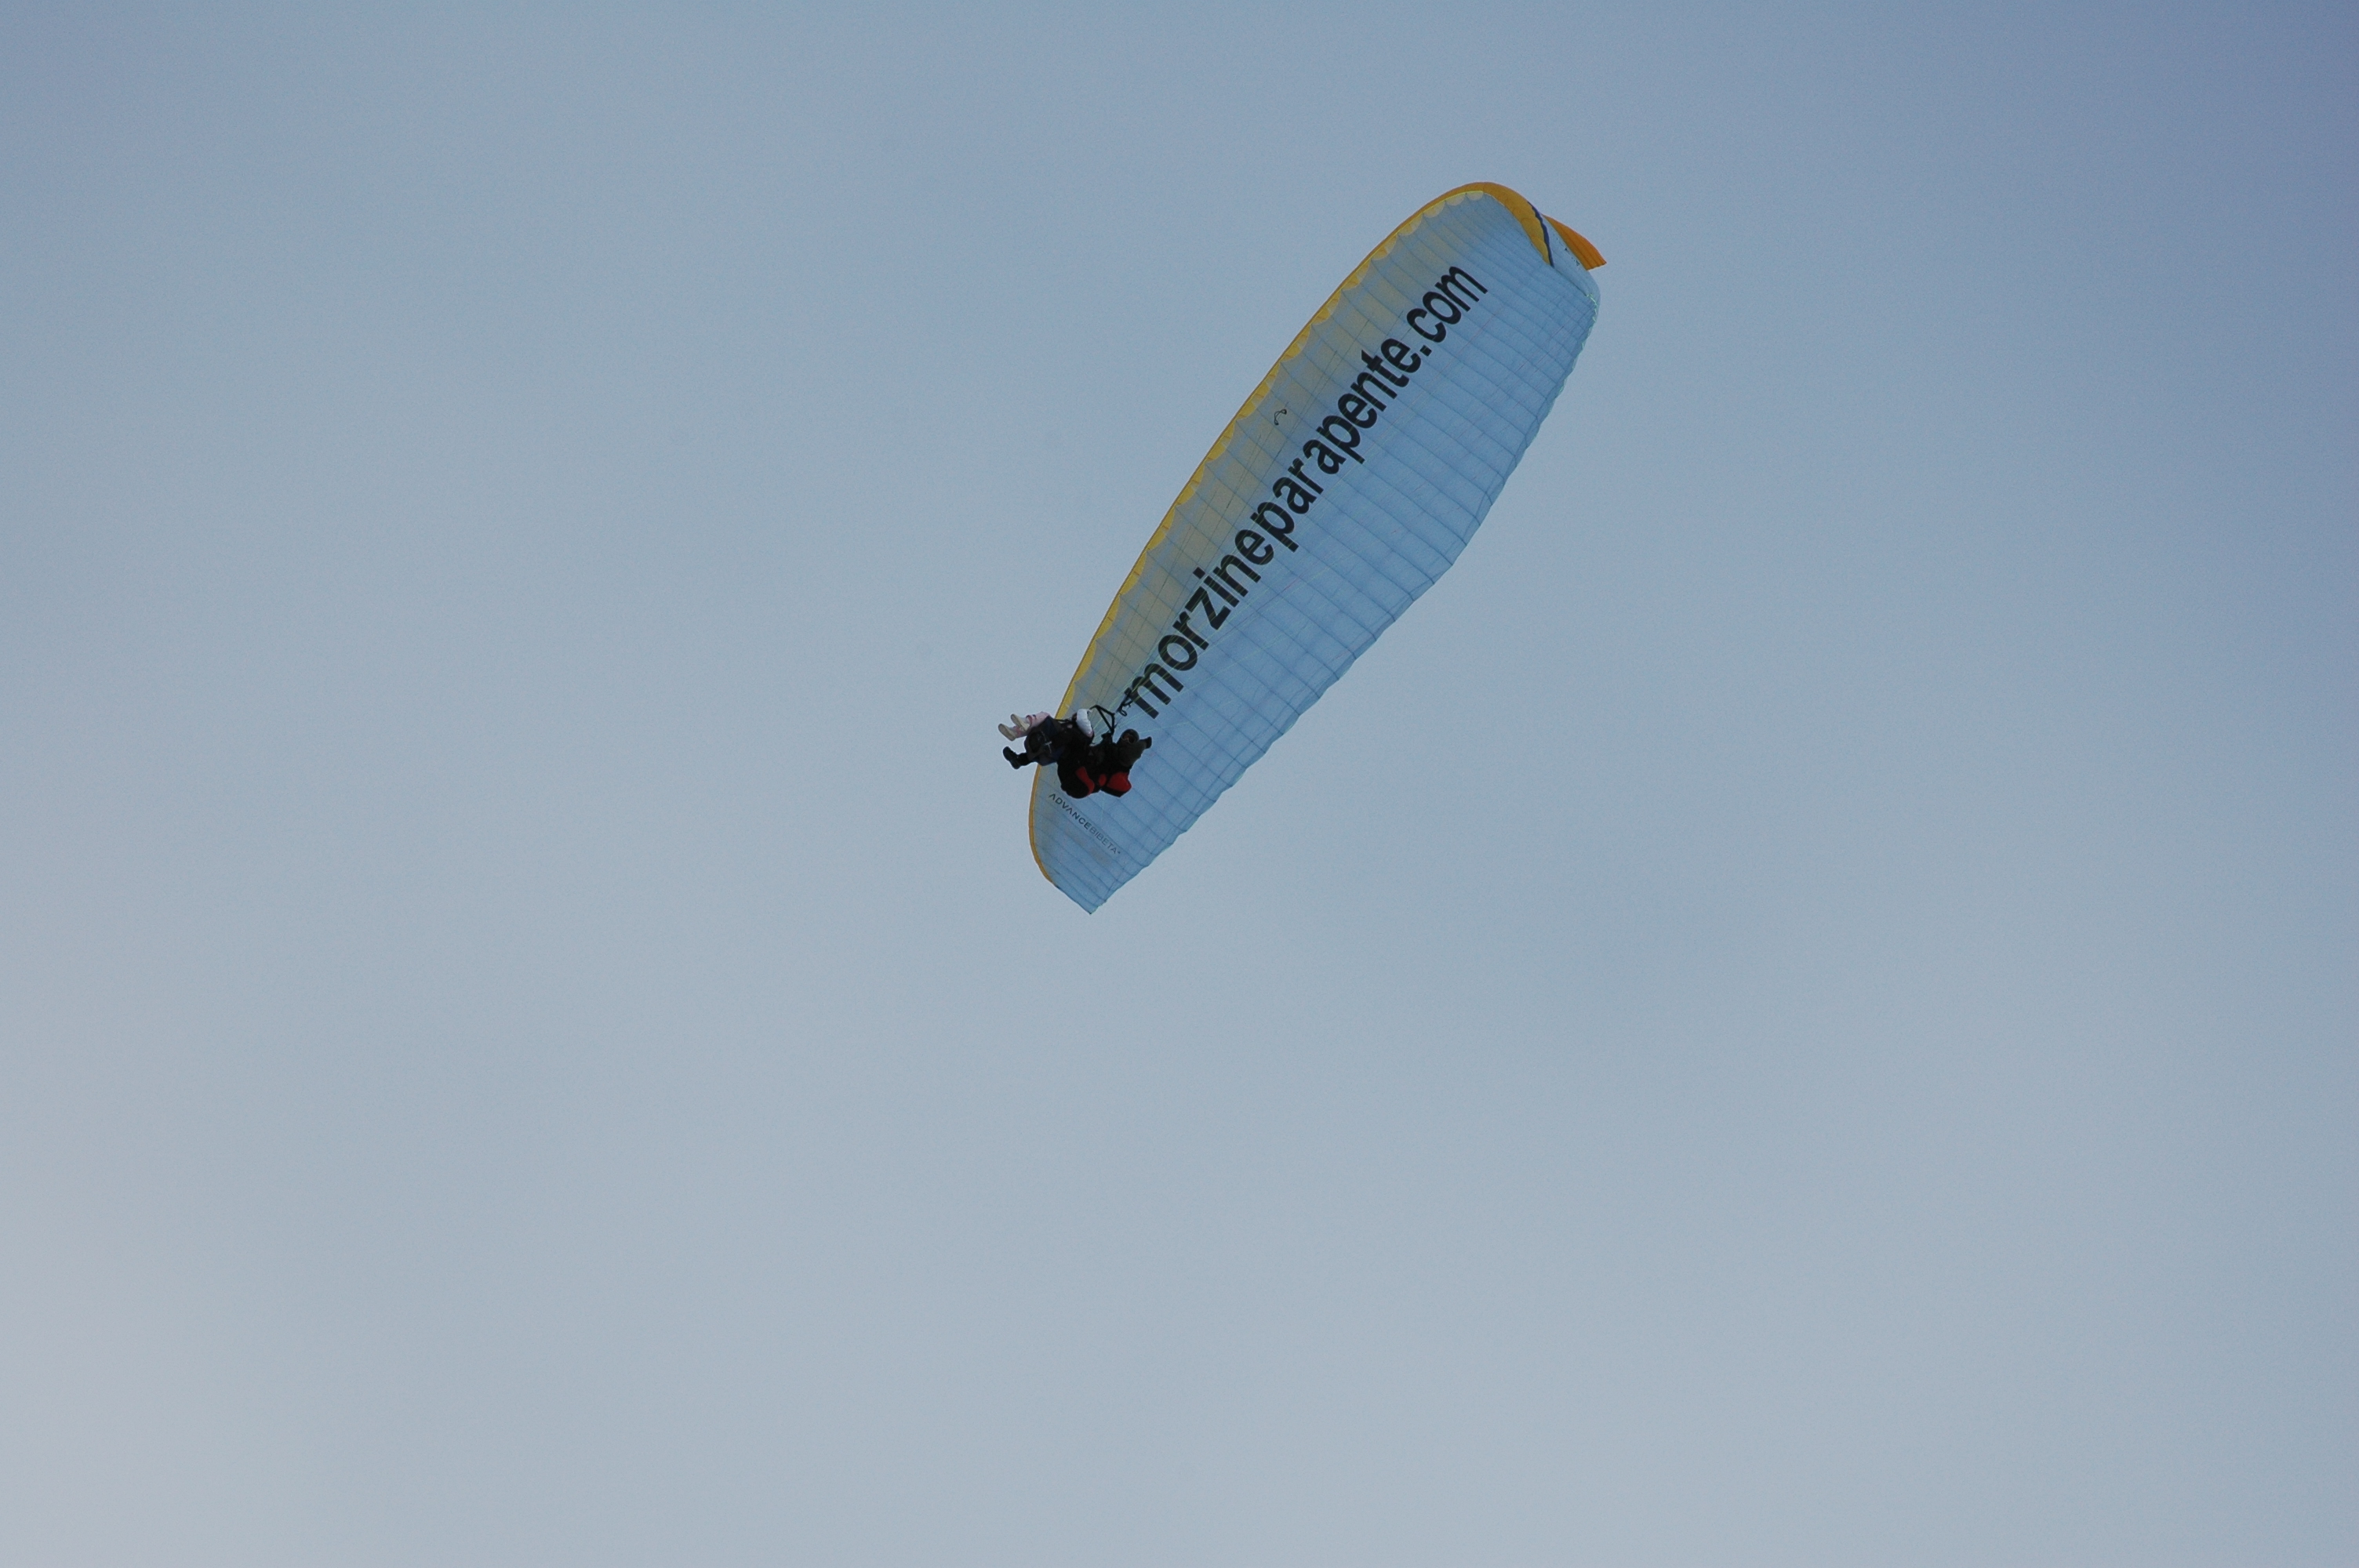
point(1347, 483)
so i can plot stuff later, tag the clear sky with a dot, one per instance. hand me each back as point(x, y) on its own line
point(1802, 1007)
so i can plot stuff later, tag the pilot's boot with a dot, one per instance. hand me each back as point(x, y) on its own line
point(1015, 758)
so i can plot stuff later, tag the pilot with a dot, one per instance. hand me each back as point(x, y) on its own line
point(1085, 771)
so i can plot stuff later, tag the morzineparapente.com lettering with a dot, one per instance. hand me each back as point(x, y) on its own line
point(1296, 491)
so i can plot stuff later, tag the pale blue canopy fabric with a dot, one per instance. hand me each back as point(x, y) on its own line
point(1347, 483)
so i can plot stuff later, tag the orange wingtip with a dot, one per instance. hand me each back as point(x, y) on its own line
point(1582, 249)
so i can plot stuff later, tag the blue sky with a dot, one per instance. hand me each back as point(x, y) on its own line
point(1799, 1008)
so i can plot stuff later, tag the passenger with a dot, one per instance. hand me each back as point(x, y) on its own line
point(1046, 737)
